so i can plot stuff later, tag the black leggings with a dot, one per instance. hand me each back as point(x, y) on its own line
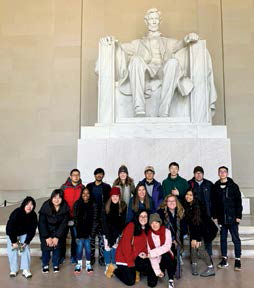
point(128, 274)
point(165, 264)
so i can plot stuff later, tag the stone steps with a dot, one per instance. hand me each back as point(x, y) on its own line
point(246, 235)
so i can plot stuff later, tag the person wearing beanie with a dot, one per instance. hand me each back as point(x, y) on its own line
point(113, 222)
point(174, 184)
point(125, 183)
point(159, 243)
point(153, 187)
point(20, 230)
point(203, 189)
point(100, 193)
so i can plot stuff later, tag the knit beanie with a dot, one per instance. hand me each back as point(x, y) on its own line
point(154, 217)
point(115, 191)
point(124, 169)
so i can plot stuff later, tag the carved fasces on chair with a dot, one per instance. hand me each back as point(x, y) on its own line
point(105, 67)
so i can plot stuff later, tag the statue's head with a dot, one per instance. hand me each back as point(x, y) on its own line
point(152, 19)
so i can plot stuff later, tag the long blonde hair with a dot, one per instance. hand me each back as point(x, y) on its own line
point(180, 209)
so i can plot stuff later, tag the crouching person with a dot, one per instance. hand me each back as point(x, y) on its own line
point(113, 222)
point(85, 219)
point(20, 230)
point(131, 253)
point(53, 220)
point(198, 223)
point(159, 243)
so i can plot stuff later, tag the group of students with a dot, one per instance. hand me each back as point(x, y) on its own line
point(140, 229)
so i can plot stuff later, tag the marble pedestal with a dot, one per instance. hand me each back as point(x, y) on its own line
point(138, 142)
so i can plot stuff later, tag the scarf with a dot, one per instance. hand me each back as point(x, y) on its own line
point(161, 232)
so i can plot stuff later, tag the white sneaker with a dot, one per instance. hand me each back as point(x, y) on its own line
point(13, 274)
point(27, 274)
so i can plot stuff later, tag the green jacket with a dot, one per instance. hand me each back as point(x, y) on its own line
point(170, 184)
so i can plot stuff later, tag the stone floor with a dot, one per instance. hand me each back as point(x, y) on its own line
point(66, 278)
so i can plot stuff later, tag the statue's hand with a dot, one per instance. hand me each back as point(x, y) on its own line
point(191, 38)
point(107, 41)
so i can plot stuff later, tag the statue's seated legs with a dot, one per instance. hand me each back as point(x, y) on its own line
point(137, 69)
point(172, 73)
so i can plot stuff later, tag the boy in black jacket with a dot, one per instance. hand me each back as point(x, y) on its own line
point(228, 212)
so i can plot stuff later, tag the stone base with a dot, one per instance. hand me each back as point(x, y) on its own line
point(140, 144)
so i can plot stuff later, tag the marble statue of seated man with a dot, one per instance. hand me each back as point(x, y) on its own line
point(147, 64)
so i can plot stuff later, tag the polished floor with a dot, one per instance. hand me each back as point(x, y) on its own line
point(66, 278)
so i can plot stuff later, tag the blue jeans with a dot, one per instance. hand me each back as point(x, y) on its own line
point(13, 255)
point(233, 229)
point(55, 257)
point(81, 244)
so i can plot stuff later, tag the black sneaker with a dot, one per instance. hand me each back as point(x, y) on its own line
point(223, 263)
point(56, 269)
point(237, 265)
point(77, 269)
point(45, 269)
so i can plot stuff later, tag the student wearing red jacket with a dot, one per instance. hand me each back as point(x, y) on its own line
point(72, 191)
point(131, 253)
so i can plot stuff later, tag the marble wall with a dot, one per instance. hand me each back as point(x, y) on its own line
point(40, 94)
point(48, 86)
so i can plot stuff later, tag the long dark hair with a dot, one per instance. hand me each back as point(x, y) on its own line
point(135, 203)
point(121, 205)
point(26, 201)
point(53, 194)
point(192, 210)
point(137, 226)
point(118, 181)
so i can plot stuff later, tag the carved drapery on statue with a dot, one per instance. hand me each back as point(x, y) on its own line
point(155, 77)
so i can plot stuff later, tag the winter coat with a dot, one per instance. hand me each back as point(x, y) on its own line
point(130, 246)
point(72, 193)
point(127, 191)
point(227, 202)
point(203, 192)
point(159, 250)
point(171, 223)
point(157, 194)
point(206, 230)
point(141, 206)
point(113, 223)
point(20, 223)
point(85, 218)
point(170, 184)
point(52, 224)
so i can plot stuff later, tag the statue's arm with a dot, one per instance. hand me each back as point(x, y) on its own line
point(187, 40)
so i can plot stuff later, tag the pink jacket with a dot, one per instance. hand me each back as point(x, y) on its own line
point(155, 254)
